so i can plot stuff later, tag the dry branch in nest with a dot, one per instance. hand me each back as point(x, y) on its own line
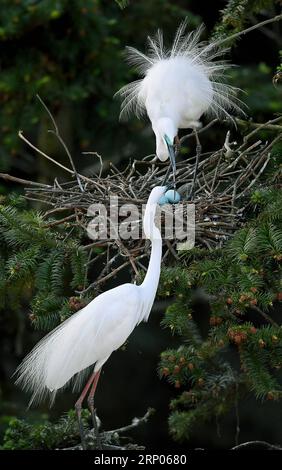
point(225, 177)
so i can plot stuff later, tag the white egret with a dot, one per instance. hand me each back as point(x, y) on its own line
point(89, 337)
point(179, 85)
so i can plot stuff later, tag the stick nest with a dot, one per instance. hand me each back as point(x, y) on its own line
point(225, 177)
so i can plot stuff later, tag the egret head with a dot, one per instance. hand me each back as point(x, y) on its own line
point(156, 193)
point(165, 131)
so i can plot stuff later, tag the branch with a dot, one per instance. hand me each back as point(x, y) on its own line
point(135, 422)
point(68, 170)
point(57, 134)
point(107, 437)
point(248, 30)
point(262, 445)
point(265, 316)
point(6, 177)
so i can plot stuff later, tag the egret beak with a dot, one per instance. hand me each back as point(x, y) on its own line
point(171, 153)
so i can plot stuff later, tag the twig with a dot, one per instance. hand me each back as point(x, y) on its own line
point(135, 422)
point(96, 154)
point(106, 436)
point(59, 222)
point(265, 316)
point(20, 134)
point(248, 30)
point(7, 177)
point(57, 134)
point(199, 131)
point(259, 444)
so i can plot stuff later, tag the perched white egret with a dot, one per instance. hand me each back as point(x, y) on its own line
point(89, 337)
point(179, 85)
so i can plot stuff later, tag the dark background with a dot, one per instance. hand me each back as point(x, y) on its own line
point(80, 94)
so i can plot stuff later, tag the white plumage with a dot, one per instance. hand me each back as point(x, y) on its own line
point(91, 335)
point(178, 86)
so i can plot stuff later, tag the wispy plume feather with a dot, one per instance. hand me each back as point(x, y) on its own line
point(206, 57)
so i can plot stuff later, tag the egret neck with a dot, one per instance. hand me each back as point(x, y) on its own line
point(151, 281)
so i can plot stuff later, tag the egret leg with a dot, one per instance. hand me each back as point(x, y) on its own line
point(78, 408)
point(198, 153)
point(177, 144)
point(166, 175)
point(90, 401)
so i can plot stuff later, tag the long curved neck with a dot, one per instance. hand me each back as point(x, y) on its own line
point(152, 277)
point(151, 281)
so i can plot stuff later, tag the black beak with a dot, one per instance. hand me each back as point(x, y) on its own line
point(171, 153)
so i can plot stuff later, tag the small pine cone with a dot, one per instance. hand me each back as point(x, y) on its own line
point(201, 382)
point(229, 301)
point(253, 302)
point(189, 316)
point(177, 384)
point(212, 321)
point(270, 396)
point(253, 330)
point(190, 366)
point(165, 371)
point(182, 360)
point(240, 337)
point(274, 339)
point(237, 339)
point(215, 321)
point(176, 369)
point(171, 358)
point(221, 343)
point(72, 303)
point(261, 343)
point(279, 296)
point(32, 317)
point(230, 333)
point(254, 290)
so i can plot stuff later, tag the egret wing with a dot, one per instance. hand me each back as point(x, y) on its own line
point(89, 336)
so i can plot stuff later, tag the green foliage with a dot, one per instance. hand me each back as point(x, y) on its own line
point(76, 66)
point(237, 13)
point(44, 436)
point(242, 278)
point(39, 265)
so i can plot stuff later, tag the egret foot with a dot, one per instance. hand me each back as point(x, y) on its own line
point(80, 425)
point(90, 402)
point(93, 380)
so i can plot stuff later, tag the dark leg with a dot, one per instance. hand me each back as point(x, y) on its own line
point(177, 145)
point(90, 402)
point(198, 153)
point(78, 407)
point(166, 175)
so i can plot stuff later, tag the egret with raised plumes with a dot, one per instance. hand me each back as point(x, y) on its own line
point(89, 337)
point(177, 87)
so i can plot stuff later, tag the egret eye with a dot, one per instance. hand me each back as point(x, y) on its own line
point(172, 196)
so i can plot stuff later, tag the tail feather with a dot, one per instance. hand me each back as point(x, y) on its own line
point(45, 369)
